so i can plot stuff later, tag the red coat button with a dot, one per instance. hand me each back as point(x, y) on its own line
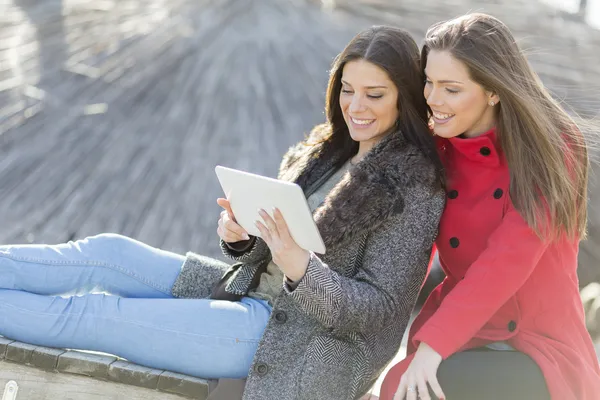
point(454, 242)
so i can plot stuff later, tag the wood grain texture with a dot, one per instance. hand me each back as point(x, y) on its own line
point(36, 384)
point(114, 114)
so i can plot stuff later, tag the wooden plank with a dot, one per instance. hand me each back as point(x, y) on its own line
point(36, 384)
point(231, 82)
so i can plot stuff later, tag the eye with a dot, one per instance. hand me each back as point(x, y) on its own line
point(451, 91)
point(346, 91)
point(374, 96)
point(427, 81)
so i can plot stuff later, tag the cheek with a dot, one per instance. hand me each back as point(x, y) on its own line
point(344, 103)
point(466, 105)
point(387, 111)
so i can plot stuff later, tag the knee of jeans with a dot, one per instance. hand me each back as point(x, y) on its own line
point(114, 241)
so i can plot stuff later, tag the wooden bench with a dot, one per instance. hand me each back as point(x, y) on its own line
point(31, 372)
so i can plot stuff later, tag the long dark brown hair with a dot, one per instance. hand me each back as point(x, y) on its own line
point(394, 51)
point(546, 151)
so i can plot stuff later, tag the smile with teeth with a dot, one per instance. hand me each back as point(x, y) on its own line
point(362, 121)
point(442, 116)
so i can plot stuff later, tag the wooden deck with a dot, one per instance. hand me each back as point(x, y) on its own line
point(116, 114)
point(113, 114)
point(41, 373)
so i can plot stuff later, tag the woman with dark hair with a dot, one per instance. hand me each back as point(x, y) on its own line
point(296, 324)
point(507, 322)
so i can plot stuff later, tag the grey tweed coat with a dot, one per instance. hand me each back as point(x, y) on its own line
point(331, 337)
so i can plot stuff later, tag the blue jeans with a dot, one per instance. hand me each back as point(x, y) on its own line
point(46, 299)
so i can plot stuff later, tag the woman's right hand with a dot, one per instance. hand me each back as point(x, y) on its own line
point(228, 229)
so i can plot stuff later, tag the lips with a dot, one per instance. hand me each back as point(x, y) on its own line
point(441, 118)
point(362, 122)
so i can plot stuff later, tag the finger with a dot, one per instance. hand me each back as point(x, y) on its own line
point(225, 235)
point(401, 392)
point(422, 389)
point(282, 227)
point(227, 206)
point(269, 222)
point(235, 229)
point(436, 388)
point(234, 236)
point(411, 389)
point(264, 232)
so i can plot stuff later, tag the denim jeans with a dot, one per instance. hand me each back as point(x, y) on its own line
point(49, 296)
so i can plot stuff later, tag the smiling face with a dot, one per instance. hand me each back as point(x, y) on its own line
point(369, 101)
point(459, 105)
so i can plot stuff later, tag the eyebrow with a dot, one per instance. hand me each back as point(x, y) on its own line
point(446, 80)
point(368, 87)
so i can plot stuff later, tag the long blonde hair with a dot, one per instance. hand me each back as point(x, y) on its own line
point(546, 151)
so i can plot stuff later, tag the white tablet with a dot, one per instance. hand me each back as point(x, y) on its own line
point(247, 193)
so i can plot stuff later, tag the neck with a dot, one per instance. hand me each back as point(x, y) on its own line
point(480, 128)
point(363, 148)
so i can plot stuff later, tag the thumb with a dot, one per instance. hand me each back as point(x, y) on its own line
point(224, 203)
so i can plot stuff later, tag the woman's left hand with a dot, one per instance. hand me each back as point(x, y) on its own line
point(421, 371)
point(289, 257)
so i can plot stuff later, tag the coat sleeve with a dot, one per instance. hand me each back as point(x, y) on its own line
point(387, 284)
point(256, 251)
point(198, 276)
point(512, 253)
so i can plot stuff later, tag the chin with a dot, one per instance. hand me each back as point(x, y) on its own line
point(360, 136)
point(444, 133)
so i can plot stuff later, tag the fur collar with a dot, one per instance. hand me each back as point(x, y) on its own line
point(368, 194)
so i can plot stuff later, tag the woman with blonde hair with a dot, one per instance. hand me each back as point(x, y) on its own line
point(507, 322)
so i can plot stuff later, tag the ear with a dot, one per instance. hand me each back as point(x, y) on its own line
point(492, 98)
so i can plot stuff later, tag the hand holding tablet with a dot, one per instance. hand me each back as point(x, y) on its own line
point(248, 193)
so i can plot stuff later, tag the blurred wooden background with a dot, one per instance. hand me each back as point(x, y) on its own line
point(113, 114)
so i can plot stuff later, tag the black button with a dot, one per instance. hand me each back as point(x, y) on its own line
point(452, 194)
point(261, 369)
point(498, 193)
point(280, 317)
point(512, 326)
point(485, 151)
point(454, 242)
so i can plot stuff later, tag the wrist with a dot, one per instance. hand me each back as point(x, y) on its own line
point(425, 348)
point(300, 268)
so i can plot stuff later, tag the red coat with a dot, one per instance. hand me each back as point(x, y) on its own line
point(503, 283)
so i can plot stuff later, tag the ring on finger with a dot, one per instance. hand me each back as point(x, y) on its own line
point(411, 389)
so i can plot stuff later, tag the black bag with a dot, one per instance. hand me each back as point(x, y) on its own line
point(219, 293)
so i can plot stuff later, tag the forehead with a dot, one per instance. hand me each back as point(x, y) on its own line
point(441, 65)
point(365, 73)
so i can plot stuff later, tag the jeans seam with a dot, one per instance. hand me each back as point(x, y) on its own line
point(114, 267)
point(127, 321)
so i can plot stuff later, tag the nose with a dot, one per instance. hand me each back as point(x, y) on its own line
point(433, 97)
point(356, 105)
